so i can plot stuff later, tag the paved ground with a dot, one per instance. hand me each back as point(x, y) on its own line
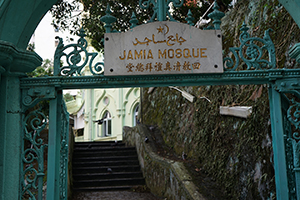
point(114, 195)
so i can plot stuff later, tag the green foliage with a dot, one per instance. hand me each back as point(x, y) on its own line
point(45, 70)
point(64, 17)
point(122, 10)
point(199, 9)
point(68, 97)
point(31, 47)
point(263, 15)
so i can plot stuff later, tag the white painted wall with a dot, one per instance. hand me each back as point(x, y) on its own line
point(121, 105)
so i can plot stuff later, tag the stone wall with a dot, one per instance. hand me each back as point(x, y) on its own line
point(164, 177)
point(235, 152)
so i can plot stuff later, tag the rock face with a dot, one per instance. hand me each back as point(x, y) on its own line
point(236, 152)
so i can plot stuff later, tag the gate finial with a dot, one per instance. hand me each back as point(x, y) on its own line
point(189, 19)
point(216, 15)
point(133, 20)
point(108, 19)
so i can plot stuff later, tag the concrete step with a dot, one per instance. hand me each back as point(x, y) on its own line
point(116, 162)
point(101, 166)
point(103, 169)
point(105, 152)
point(106, 158)
point(92, 148)
point(105, 188)
point(113, 175)
point(109, 182)
point(97, 144)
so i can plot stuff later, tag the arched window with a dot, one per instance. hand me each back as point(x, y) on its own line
point(135, 115)
point(106, 126)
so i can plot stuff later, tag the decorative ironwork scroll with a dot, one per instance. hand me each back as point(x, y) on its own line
point(77, 58)
point(64, 147)
point(32, 96)
point(251, 52)
point(33, 156)
point(293, 149)
point(288, 141)
point(216, 15)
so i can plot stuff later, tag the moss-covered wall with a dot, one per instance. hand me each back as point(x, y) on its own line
point(165, 178)
point(236, 152)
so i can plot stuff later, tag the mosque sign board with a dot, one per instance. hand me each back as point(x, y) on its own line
point(163, 48)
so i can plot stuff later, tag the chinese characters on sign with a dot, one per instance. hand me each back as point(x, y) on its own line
point(163, 48)
point(159, 67)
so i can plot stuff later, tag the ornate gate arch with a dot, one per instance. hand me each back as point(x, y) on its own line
point(284, 112)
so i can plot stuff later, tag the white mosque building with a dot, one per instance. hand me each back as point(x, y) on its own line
point(114, 108)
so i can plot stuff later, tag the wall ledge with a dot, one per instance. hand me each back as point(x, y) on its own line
point(164, 177)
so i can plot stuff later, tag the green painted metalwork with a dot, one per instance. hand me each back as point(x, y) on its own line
point(64, 149)
point(278, 144)
point(108, 19)
point(258, 70)
point(33, 146)
point(53, 149)
point(74, 58)
point(15, 62)
point(288, 148)
point(189, 19)
point(16, 30)
point(293, 117)
point(58, 149)
point(31, 96)
point(293, 7)
point(216, 15)
point(33, 156)
point(289, 85)
point(11, 58)
point(250, 52)
point(291, 138)
point(253, 52)
point(294, 52)
point(227, 78)
point(133, 20)
point(18, 19)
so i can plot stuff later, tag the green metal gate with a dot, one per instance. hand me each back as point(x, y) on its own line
point(37, 179)
point(285, 109)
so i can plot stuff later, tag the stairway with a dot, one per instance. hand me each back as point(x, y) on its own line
point(103, 166)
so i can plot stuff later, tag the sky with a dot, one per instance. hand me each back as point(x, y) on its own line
point(44, 41)
point(44, 38)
